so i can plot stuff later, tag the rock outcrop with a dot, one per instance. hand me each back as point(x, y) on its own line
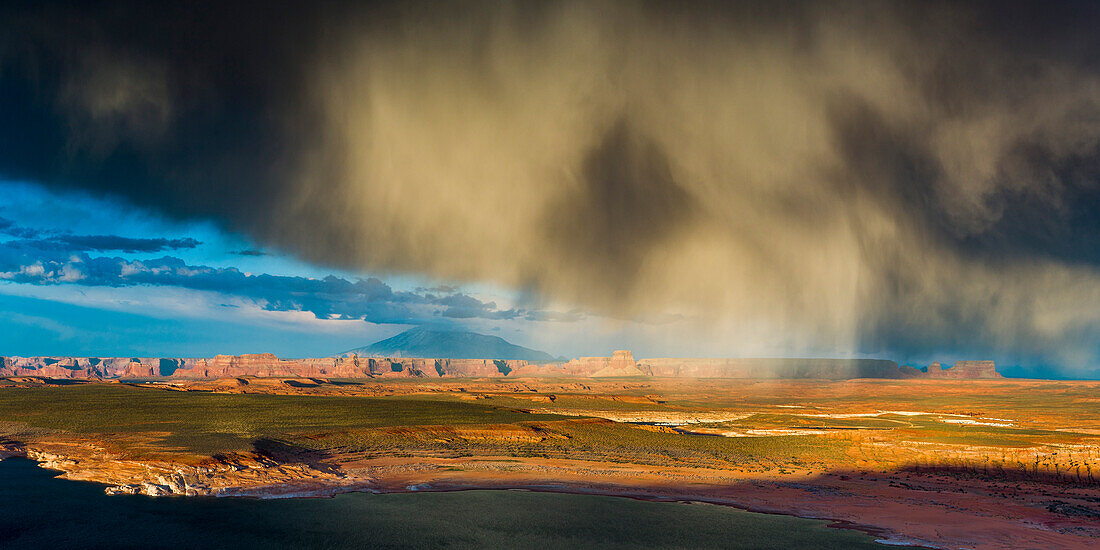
point(963, 370)
point(621, 363)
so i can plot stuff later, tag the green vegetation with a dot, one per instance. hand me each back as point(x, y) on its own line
point(211, 423)
point(598, 441)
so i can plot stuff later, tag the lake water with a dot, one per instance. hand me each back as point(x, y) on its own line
point(38, 510)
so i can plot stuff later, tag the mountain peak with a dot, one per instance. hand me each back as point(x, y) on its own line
point(441, 343)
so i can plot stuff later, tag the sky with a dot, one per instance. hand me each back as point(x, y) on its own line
point(915, 181)
point(87, 275)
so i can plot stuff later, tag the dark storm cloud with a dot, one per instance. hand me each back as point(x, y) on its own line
point(627, 203)
point(9, 227)
point(102, 243)
point(67, 242)
point(177, 106)
point(902, 176)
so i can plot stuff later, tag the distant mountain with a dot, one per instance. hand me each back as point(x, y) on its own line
point(448, 344)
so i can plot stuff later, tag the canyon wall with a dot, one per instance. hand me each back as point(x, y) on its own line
point(254, 364)
point(620, 363)
point(91, 367)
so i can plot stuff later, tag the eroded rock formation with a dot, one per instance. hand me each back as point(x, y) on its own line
point(963, 370)
point(90, 367)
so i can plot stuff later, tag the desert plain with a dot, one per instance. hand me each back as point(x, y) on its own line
point(999, 463)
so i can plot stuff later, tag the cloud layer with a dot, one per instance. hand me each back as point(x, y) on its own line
point(65, 259)
point(67, 242)
point(891, 178)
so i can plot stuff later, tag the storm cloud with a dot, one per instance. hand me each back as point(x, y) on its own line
point(68, 242)
point(861, 178)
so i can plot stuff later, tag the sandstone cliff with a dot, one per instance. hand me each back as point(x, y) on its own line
point(89, 367)
point(621, 363)
point(963, 370)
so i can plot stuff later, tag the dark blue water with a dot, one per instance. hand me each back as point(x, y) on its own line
point(40, 511)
